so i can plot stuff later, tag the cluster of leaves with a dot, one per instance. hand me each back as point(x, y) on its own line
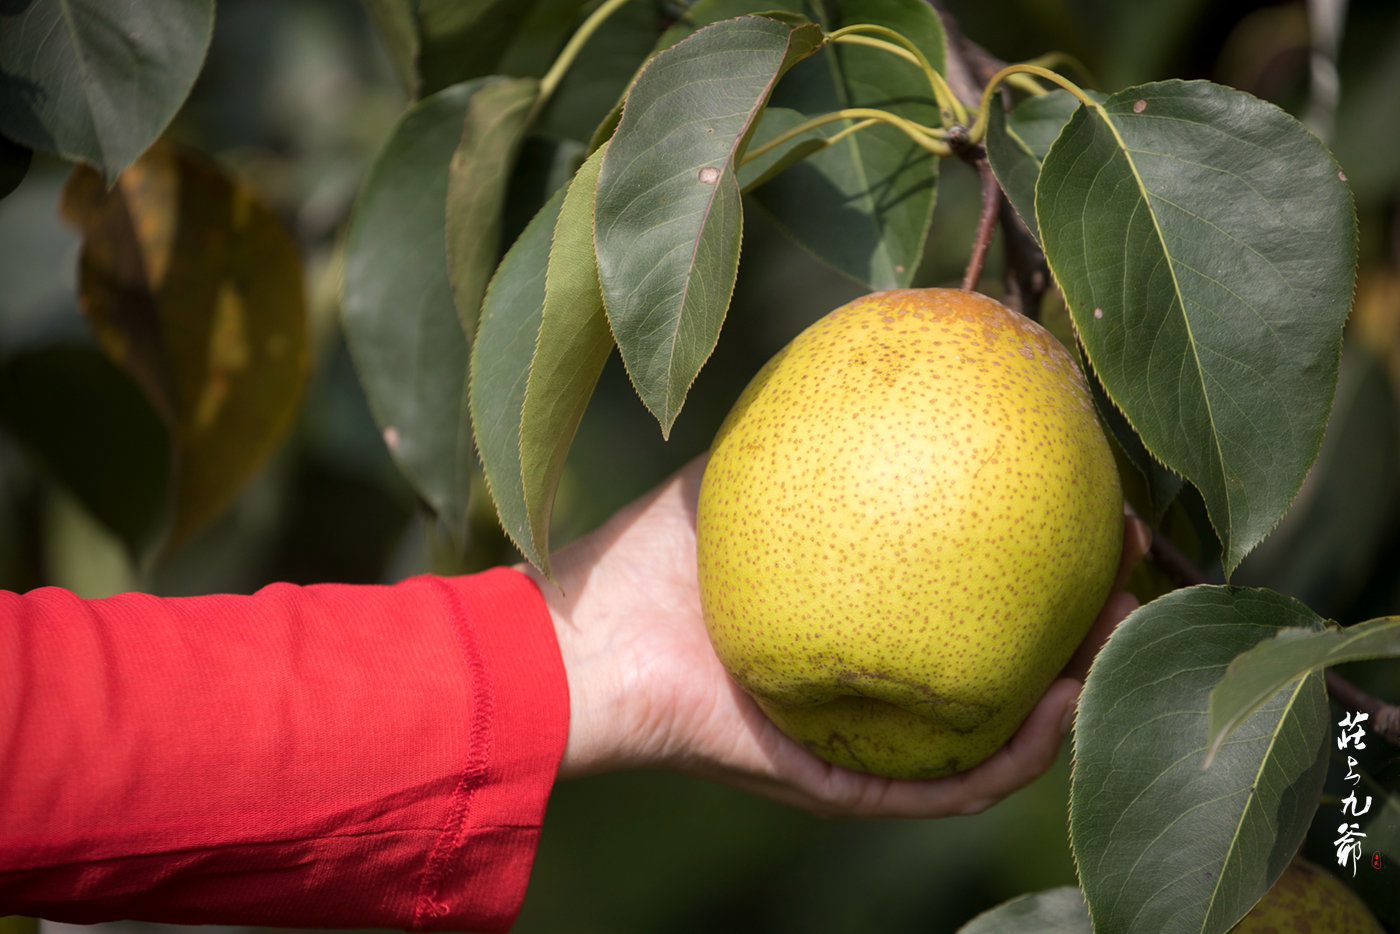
point(192, 285)
point(1204, 243)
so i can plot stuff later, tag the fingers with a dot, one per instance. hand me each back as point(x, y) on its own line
point(1137, 539)
point(1115, 609)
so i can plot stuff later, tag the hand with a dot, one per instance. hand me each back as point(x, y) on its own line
point(646, 689)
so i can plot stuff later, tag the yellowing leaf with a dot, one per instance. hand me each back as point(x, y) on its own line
point(194, 287)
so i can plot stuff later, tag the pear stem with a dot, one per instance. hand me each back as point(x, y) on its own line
point(1385, 718)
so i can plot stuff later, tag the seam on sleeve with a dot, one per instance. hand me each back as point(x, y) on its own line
point(479, 736)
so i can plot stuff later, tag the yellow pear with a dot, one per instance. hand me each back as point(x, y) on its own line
point(1307, 898)
point(908, 523)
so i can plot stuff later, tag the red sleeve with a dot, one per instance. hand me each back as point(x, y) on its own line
point(324, 756)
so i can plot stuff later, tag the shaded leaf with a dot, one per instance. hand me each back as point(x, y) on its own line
point(758, 169)
point(14, 165)
point(1162, 844)
point(601, 74)
point(477, 180)
point(1018, 141)
point(114, 457)
point(1161, 484)
point(437, 43)
point(400, 322)
point(1055, 911)
point(1257, 674)
point(1206, 244)
point(1332, 539)
point(194, 287)
point(668, 214)
point(541, 349)
point(864, 204)
point(98, 80)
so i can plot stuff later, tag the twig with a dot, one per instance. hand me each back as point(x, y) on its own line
point(1181, 570)
point(987, 223)
point(1385, 718)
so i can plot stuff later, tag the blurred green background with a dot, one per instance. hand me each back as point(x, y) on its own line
point(297, 96)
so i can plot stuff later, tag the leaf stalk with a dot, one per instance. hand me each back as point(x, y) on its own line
point(952, 109)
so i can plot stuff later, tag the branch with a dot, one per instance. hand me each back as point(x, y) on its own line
point(1385, 718)
point(987, 223)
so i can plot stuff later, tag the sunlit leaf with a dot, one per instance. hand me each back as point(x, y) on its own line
point(477, 179)
point(194, 287)
point(501, 356)
point(437, 43)
point(668, 215)
point(114, 456)
point(1206, 243)
point(1055, 911)
point(1162, 844)
point(542, 346)
point(573, 344)
point(98, 80)
point(400, 322)
point(1258, 673)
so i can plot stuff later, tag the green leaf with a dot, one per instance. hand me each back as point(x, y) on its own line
point(1055, 911)
point(400, 322)
point(1206, 245)
point(1333, 539)
point(437, 43)
point(1161, 844)
point(758, 169)
point(864, 204)
point(501, 360)
point(98, 80)
point(1018, 141)
point(195, 288)
point(601, 74)
point(113, 456)
point(477, 180)
point(537, 359)
point(1259, 673)
point(573, 345)
point(668, 214)
point(1161, 484)
point(14, 165)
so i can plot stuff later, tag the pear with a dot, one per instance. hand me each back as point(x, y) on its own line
point(908, 523)
point(1309, 898)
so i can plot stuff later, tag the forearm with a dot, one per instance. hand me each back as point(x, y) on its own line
point(322, 756)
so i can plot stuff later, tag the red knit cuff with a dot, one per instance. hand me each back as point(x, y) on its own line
point(481, 866)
